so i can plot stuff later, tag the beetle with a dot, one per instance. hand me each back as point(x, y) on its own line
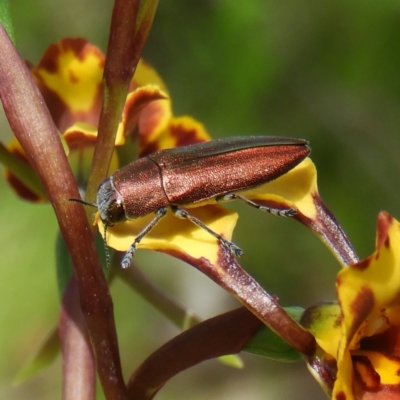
point(192, 175)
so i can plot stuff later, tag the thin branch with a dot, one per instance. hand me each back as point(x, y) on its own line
point(31, 123)
point(125, 47)
point(215, 337)
point(79, 370)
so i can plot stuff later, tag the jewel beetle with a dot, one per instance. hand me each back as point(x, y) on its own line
point(191, 175)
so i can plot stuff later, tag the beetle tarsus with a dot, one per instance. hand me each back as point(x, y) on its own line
point(289, 212)
point(180, 213)
point(286, 212)
point(126, 261)
point(235, 250)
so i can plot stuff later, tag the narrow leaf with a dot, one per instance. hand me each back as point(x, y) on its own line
point(5, 18)
point(41, 359)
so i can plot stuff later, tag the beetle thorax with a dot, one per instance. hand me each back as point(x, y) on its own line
point(109, 203)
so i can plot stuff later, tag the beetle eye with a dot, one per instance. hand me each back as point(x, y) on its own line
point(115, 213)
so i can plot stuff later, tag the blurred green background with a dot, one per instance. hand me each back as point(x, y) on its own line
point(321, 70)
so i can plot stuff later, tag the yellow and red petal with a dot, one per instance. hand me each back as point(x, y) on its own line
point(296, 189)
point(20, 187)
point(145, 74)
point(81, 139)
point(386, 367)
point(367, 293)
point(149, 105)
point(177, 235)
point(69, 75)
point(323, 321)
point(181, 131)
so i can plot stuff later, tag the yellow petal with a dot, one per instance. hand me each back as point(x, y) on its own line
point(24, 184)
point(174, 234)
point(181, 131)
point(386, 366)
point(81, 139)
point(145, 74)
point(72, 69)
point(323, 321)
point(155, 119)
point(365, 291)
point(295, 189)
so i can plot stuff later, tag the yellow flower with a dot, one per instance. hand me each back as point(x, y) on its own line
point(362, 332)
point(69, 76)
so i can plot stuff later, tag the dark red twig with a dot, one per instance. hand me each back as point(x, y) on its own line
point(218, 336)
point(31, 123)
point(128, 35)
point(79, 369)
point(231, 276)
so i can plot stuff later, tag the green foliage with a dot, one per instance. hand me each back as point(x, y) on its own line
point(42, 358)
point(5, 18)
point(267, 344)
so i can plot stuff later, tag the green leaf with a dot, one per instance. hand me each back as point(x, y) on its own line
point(232, 360)
point(268, 344)
point(5, 18)
point(41, 359)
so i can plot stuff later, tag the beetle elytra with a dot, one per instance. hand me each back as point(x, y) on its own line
point(191, 175)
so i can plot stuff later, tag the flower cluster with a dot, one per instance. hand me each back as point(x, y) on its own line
point(358, 349)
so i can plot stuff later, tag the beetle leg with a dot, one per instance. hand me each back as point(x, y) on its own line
point(180, 213)
point(288, 212)
point(126, 261)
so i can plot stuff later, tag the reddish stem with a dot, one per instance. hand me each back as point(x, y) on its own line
point(125, 47)
point(230, 275)
point(218, 336)
point(34, 128)
point(79, 372)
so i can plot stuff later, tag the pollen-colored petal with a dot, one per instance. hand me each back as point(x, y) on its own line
point(387, 367)
point(181, 131)
point(19, 187)
point(136, 102)
point(323, 321)
point(69, 76)
point(145, 74)
point(370, 286)
point(80, 135)
point(153, 121)
point(295, 189)
point(81, 139)
point(174, 234)
point(367, 291)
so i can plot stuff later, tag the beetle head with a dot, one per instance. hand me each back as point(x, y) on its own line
point(110, 205)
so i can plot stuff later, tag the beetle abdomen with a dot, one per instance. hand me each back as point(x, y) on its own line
point(203, 178)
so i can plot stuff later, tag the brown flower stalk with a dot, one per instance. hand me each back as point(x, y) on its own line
point(34, 128)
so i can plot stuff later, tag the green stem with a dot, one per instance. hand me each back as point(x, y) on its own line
point(125, 47)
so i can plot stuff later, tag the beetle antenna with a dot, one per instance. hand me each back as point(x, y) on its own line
point(85, 203)
point(106, 249)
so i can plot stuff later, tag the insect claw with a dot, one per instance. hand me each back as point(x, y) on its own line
point(126, 261)
point(289, 213)
point(236, 250)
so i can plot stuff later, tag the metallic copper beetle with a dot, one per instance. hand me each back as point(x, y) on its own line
point(190, 175)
